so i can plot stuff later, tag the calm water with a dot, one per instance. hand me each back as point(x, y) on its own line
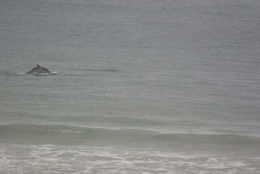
point(142, 87)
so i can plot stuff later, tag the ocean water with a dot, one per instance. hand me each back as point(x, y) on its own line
point(140, 87)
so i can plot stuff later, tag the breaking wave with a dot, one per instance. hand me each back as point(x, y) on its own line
point(60, 134)
point(65, 149)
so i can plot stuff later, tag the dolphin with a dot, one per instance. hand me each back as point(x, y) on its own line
point(39, 70)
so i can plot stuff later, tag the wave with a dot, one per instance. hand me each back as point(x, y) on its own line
point(7, 73)
point(60, 134)
point(14, 74)
point(100, 69)
point(72, 72)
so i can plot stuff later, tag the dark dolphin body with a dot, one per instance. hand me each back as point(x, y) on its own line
point(39, 70)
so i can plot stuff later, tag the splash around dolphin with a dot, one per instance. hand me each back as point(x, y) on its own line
point(40, 70)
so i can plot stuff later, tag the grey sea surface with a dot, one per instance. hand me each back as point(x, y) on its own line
point(139, 87)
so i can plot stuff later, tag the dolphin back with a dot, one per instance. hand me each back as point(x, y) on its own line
point(38, 69)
